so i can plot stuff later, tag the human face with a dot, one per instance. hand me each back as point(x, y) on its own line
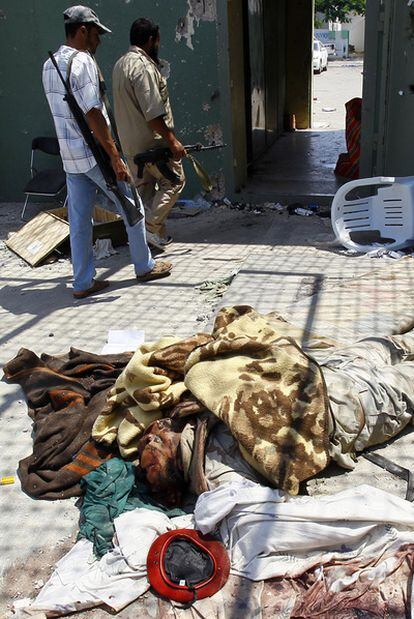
point(154, 49)
point(93, 38)
point(158, 450)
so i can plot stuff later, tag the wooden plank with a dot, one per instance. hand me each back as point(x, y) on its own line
point(45, 232)
point(38, 238)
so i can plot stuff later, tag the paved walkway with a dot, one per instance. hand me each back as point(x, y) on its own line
point(280, 258)
point(299, 166)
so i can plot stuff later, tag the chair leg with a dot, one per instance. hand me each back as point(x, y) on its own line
point(24, 207)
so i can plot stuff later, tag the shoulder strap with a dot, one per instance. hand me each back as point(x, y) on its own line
point(102, 92)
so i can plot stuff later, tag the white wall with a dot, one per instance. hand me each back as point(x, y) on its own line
point(356, 28)
point(356, 32)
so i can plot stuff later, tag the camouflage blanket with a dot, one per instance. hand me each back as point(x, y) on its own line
point(267, 391)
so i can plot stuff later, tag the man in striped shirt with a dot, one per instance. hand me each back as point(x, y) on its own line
point(83, 30)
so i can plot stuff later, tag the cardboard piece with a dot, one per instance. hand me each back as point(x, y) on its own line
point(49, 229)
point(38, 238)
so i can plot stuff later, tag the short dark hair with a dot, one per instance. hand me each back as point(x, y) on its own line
point(142, 30)
point(71, 29)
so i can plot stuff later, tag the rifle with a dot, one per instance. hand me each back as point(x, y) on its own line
point(161, 156)
point(131, 209)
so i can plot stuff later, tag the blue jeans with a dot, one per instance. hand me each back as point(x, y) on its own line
point(81, 197)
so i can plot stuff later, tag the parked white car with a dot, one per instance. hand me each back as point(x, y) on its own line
point(320, 57)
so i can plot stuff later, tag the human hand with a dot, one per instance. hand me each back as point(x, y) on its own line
point(120, 169)
point(177, 149)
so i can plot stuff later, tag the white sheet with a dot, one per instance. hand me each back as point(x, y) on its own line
point(270, 534)
point(81, 581)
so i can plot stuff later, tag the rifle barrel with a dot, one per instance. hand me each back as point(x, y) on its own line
point(201, 147)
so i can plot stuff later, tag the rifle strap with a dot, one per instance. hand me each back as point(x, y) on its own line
point(104, 97)
point(69, 70)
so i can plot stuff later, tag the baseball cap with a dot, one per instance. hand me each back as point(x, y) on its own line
point(83, 15)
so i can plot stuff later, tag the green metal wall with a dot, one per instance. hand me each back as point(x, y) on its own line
point(193, 40)
point(387, 131)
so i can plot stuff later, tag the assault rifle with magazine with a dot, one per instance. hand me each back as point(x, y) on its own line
point(131, 208)
point(161, 156)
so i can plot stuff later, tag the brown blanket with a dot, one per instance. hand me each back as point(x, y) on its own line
point(65, 395)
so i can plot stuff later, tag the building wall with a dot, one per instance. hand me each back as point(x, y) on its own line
point(238, 90)
point(193, 40)
point(356, 28)
point(299, 50)
point(387, 132)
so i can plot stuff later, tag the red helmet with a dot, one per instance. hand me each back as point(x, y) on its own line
point(184, 565)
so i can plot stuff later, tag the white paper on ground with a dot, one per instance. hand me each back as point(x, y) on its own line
point(119, 341)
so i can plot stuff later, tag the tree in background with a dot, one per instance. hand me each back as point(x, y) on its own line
point(339, 9)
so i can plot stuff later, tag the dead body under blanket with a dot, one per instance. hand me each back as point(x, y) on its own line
point(65, 395)
point(288, 413)
point(268, 392)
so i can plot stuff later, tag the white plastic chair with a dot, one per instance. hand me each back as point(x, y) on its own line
point(385, 218)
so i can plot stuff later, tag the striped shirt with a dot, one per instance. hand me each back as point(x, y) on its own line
point(76, 155)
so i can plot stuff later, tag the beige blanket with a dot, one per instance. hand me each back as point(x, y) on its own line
point(267, 391)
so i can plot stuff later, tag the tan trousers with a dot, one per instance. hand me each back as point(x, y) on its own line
point(371, 393)
point(158, 194)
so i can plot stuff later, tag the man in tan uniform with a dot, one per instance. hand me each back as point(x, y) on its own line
point(144, 119)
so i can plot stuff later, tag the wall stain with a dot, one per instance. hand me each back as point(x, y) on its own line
point(198, 10)
point(219, 187)
point(213, 134)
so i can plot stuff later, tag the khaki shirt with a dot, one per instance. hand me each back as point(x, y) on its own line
point(140, 94)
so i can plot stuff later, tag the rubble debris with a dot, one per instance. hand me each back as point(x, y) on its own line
point(202, 318)
point(274, 206)
point(304, 212)
point(215, 289)
point(350, 252)
point(39, 584)
point(103, 248)
point(251, 207)
point(383, 252)
point(190, 208)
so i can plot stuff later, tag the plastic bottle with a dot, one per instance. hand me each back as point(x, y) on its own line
point(305, 212)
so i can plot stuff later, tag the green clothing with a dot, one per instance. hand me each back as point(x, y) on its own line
point(111, 490)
